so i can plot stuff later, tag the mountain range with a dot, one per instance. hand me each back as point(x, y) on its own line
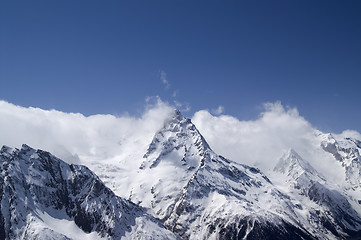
point(181, 189)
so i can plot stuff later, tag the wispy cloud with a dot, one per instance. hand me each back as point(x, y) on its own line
point(183, 107)
point(218, 111)
point(261, 142)
point(163, 78)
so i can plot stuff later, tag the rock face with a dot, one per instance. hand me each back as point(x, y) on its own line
point(347, 151)
point(42, 197)
point(328, 210)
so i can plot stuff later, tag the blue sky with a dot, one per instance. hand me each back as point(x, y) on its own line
point(108, 56)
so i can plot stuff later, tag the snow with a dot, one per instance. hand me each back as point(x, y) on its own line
point(180, 170)
point(43, 198)
point(64, 226)
point(198, 194)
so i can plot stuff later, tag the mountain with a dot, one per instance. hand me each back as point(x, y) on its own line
point(327, 210)
point(347, 151)
point(201, 195)
point(42, 197)
point(181, 188)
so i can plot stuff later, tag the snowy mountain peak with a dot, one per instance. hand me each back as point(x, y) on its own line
point(293, 165)
point(178, 133)
point(173, 158)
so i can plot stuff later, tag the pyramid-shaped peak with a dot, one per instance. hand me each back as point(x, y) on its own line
point(177, 133)
point(292, 164)
point(177, 123)
point(288, 157)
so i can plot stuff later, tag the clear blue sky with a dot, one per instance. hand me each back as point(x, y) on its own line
point(107, 56)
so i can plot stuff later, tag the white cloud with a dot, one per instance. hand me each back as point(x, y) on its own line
point(80, 139)
point(69, 135)
point(163, 78)
point(349, 133)
point(261, 142)
point(218, 111)
point(183, 107)
point(249, 141)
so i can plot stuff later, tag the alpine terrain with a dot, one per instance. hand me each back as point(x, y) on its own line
point(42, 197)
point(181, 188)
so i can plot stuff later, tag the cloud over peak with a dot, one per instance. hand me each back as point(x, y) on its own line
point(79, 139)
point(258, 142)
point(69, 135)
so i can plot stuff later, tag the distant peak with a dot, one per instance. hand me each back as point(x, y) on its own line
point(292, 164)
point(178, 133)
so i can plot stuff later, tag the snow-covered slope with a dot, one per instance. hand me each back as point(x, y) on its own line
point(328, 213)
point(201, 195)
point(196, 193)
point(42, 197)
point(348, 152)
